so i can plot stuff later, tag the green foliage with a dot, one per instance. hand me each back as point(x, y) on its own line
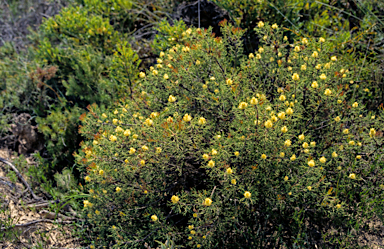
point(169, 35)
point(221, 150)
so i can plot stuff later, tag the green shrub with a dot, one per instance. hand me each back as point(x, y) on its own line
point(218, 149)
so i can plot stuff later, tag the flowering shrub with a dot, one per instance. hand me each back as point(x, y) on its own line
point(217, 149)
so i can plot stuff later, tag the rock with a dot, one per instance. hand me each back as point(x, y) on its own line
point(27, 135)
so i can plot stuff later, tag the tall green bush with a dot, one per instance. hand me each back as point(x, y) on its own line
point(218, 149)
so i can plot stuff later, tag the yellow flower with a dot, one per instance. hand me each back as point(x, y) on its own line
point(323, 77)
point(217, 91)
point(304, 41)
point(237, 153)
point(175, 199)
point(263, 156)
point(87, 178)
point(251, 56)
point(282, 98)
point(314, 85)
point(132, 151)
point(118, 189)
point(212, 78)
point(337, 119)
point(372, 132)
point(247, 194)
point(171, 99)
point(194, 215)
point(112, 138)
point(321, 39)
point(338, 206)
point(187, 118)
point(275, 26)
point(281, 115)
point(229, 171)
point(295, 77)
point(261, 50)
point(284, 129)
point(306, 151)
point(311, 163)
point(114, 121)
point(142, 75)
point(328, 92)
point(345, 131)
point(293, 157)
point(169, 119)
point(322, 159)
point(233, 181)
point(287, 143)
point(144, 148)
point(101, 172)
point(334, 154)
point(148, 122)
point(158, 150)
point(289, 111)
point(260, 24)
point(206, 156)
point(315, 54)
point(155, 72)
point(142, 162)
point(198, 245)
point(333, 58)
point(268, 124)
point(87, 204)
point(229, 82)
point(258, 56)
point(282, 154)
point(254, 101)
point(359, 144)
point(352, 176)
point(97, 212)
point(211, 164)
point(166, 76)
point(286, 178)
point(351, 142)
point(289, 68)
point(285, 38)
point(274, 119)
point(358, 157)
point(162, 54)
point(214, 152)
point(243, 105)
point(318, 66)
point(303, 67)
point(297, 49)
point(207, 202)
point(301, 137)
point(309, 188)
point(354, 105)
point(154, 217)
point(313, 144)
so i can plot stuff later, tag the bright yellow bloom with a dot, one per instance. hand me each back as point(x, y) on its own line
point(297, 49)
point(214, 152)
point(306, 151)
point(207, 202)
point(372, 132)
point(155, 72)
point(187, 118)
point(309, 188)
point(211, 164)
point(158, 150)
point(293, 157)
point(166, 76)
point(251, 56)
point(313, 144)
point(328, 92)
point(118, 189)
point(355, 105)
point(237, 153)
point(286, 178)
point(142, 75)
point(352, 176)
point(142, 162)
point(323, 77)
point(281, 115)
point(275, 119)
point(358, 157)
point(334, 154)
point(202, 121)
point(284, 129)
point(87, 204)
point(311, 163)
point(132, 151)
point(114, 121)
point(301, 137)
point(345, 131)
point(282, 154)
point(321, 39)
point(258, 56)
point(171, 99)
point(338, 206)
point(268, 124)
point(304, 41)
point(303, 67)
point(154, 218)
point(233, 181)
point(351, 142)
point(254, 101)
point(318, 66)
point(148, 122)
point(175, 199)
point(289, 111)
point(243, 105)
point(333, 58)
point(144, 148)
point(263, 156)
point(229, 82)
point(314, 85)
point(275, 26)
point(315, 54)
point(322, 159)
point(337, 119)
point(282, 98)
point(260, 24)
point(112, 138)
point(101, 172)
point(287, 143)
point(247, 194)
point(229, 171)
point(295, 77)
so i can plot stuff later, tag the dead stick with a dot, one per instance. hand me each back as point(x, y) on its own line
point(21, 178)
point(37, 221)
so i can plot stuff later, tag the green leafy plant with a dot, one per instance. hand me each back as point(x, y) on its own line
point(217, 149)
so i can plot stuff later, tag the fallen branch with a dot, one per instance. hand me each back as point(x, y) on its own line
point(21, 178)
point(37, 221)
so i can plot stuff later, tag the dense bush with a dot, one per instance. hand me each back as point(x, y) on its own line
point(217, 149)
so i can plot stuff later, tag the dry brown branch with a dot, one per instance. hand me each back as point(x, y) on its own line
point(21, 178)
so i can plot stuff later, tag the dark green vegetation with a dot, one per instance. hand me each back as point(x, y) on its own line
point(91, 53)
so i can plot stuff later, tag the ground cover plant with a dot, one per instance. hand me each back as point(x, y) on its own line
point(218, 149)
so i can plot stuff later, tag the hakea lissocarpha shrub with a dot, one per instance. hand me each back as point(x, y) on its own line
point(220, 150)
